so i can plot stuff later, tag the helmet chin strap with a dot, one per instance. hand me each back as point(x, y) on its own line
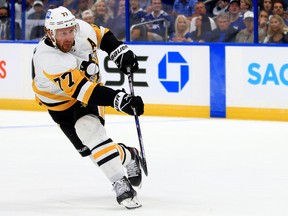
point(52, 37)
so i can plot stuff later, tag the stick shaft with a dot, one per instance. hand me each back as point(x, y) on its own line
point(137, 122)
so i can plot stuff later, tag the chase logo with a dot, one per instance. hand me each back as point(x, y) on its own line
point(183, 69)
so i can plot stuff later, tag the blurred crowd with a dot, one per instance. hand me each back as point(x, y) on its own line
point(160, 20)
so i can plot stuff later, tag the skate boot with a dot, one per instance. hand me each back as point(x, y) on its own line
point(125, 193)
point(134, 171)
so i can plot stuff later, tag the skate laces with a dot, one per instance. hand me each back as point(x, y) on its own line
point(121, 186)
point(133, 169)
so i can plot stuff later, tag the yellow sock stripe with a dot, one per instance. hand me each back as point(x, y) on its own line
point(120, 150)
point(103, 151)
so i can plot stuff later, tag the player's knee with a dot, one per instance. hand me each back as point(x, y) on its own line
point(90, 131)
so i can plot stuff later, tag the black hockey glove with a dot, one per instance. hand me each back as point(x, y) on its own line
point(123, 58)
point(124, 102)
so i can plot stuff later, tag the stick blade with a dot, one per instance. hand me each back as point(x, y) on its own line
point(145, 169)
point(144, 165)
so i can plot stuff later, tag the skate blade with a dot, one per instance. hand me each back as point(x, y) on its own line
point(131, 203)
point(139, 186)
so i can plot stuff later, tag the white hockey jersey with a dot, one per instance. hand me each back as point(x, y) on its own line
point(63, 78)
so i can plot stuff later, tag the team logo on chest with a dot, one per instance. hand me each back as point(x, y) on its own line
point(90, 67)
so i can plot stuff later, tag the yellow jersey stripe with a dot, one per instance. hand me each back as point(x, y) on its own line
point(83, 91)
point(50, 95)
point(60, 107)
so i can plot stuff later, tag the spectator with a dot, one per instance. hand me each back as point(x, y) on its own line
point(37, 32)
point(224, 32)
point(100, 12)
point(88, 16)
point(81, 6)
point(276, 32)
point(203, 29)
point(266, 5)
point(245, 5)
point(5, 24)
point(37, 29)
point(139, 33)
point(167, 5)
point(263, 23)
point(137, 14)
point(184, 7)
point(157, 30)
point(181, 33)
point(29, 7)
point(200, 9)
point(39, 13)
point(18, 9)
point(209, 5)
point(146, 6)
point(71, 5)
point(278, 8)
point(247, 35)
point(236, 21)
point(285, 16)
point(52, 4)
point(112, 8)
point(118, 24)
point(220, 7)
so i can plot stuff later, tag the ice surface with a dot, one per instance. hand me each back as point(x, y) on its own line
point(197, 167)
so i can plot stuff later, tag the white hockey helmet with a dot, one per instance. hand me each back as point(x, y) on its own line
point(59, 18)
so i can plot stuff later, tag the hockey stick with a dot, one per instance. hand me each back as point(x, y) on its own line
point(143, 161)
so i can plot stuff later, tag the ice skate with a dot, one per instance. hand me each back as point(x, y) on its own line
point(134, 171)
point(125, 193)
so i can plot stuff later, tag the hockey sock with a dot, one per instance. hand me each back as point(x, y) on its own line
point(125, 154)
point(107, 157)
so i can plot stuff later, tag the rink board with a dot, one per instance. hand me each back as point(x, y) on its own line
point(203, 80)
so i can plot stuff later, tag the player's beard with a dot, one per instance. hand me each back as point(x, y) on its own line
point(66, 46)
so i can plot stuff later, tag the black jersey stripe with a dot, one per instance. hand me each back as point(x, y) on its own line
point(53, 104)
point(78, 89)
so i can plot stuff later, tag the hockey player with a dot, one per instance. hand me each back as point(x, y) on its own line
point(66, 81)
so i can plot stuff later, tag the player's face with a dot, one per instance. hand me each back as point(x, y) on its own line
point(65, 38)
